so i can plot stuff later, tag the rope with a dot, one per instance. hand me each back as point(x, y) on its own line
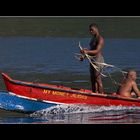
point(102, 64)
point(94, 66)
point(113, 81)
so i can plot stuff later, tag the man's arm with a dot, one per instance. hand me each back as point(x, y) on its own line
point(94, 52)
point(135, 88)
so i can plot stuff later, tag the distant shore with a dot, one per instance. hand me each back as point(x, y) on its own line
point(111, 27)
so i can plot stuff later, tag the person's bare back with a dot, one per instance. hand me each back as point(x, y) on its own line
point(129, 85)
point(125, 88)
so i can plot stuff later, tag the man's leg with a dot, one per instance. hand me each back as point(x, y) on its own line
point(92, 78)
point(96, 87)
point(99, 83)
point(93, 85)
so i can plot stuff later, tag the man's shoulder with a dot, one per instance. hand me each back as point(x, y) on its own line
point(127, 81)
point(101, 40)
point(134, 82)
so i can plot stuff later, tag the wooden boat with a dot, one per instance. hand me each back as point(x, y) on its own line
point(14, 103)
point(55, 94)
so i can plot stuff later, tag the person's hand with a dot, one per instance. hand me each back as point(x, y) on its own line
point(81, 58)
point(84, 51)
point(138, 97)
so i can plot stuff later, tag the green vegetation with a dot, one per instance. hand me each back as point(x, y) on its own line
point(111, 27)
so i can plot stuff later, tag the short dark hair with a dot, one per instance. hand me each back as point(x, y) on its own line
point(130, 71)
point(93, 25)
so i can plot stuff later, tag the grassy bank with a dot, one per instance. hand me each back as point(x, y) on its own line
point(111, 27)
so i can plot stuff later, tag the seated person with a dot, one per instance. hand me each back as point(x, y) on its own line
point(128, 87)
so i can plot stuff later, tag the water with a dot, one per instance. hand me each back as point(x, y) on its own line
point(51, 60)
point(80, 114)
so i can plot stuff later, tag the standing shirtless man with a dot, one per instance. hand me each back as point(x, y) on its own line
point(96, 45)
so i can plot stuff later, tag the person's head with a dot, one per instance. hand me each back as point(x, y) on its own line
point(132, 74)
point(94, 29)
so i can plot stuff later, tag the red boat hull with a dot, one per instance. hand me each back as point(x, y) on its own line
point(64, 95)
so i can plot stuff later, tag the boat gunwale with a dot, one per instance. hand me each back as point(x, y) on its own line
point(107, 96)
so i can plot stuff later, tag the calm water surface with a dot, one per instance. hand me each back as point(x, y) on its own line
point(51, 60)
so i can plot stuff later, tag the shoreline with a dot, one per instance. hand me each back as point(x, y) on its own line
point(111, 27)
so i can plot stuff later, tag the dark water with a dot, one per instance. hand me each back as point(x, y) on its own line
point(51, 60)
